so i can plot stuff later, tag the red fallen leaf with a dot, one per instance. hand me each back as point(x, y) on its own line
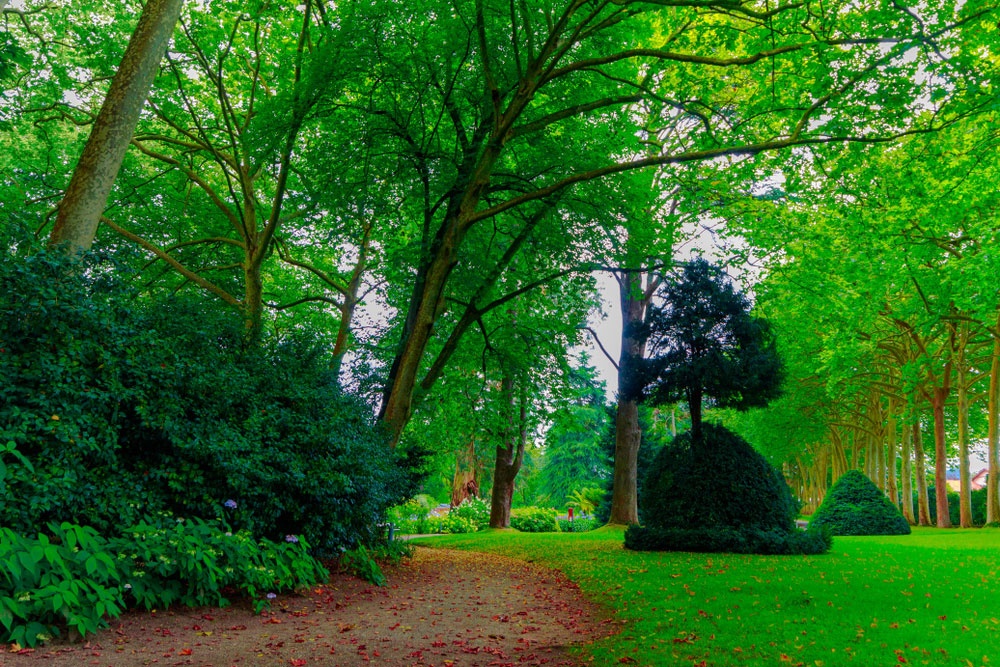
point(627, 660)
point(942, 617)
point(900, 658)
point(206, 617)
point(184, 651)
point(297, 662)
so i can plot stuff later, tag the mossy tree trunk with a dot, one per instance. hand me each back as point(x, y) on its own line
point(87, 195)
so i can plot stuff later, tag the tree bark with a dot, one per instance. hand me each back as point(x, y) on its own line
point(962, 396)
point(923, 508)
point(510, 455)
point(891, 446)
point(628, 435)
point(993, 435)
point(907, 475)
point(624, 488)
point(464, 484)
point(83, 204)
point(940, 458)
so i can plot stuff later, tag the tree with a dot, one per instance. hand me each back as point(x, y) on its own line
point(704, 343)
point(111, 134)
point(536, 100)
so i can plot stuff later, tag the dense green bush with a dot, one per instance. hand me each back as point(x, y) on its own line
point(728, 539)
point(855, 506)
point(534, 520)
point(112, 408)
point(722, 481)
point(472, 515)
point(578, 525)
point(718, 494)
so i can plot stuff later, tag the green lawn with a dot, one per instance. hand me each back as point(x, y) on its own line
point(925, 599)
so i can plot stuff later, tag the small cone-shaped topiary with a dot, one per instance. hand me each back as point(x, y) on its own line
point(855, 506)
point(716, 493)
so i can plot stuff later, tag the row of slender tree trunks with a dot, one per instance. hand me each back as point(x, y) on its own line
point(885, 440)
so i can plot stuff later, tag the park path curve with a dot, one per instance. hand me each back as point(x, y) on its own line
point(443, 608)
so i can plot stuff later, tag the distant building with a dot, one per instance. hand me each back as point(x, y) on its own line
point(978, 481)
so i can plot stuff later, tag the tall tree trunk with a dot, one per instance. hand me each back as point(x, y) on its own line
point(923, 508)
point(940, 458)
point(993, 435)
point(510, 455)
point(253, 299)
point(464, 484)
point(962, 396)
point(87, 195)
point(628, 435)
point(907, 475)
point(624, 492)
point(891, 447)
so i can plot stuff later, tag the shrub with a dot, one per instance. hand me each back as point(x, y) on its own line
point(360, 562)
point(413, 516)
point(112, 407)
point(475, 510)
point(728, 539)
point(855, 506)
point(722, 481)
point(534, 520)
point(717, 494)
point(458, 524)
point(578, 525)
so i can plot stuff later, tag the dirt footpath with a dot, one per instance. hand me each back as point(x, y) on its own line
point(443, 608)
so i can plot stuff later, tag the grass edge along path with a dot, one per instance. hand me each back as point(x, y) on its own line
point(921, 599)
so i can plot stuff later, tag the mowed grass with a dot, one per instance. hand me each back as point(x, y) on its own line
point(930, 598)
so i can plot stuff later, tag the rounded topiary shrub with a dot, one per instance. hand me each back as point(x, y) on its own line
point(717, 493)
point(855, 506)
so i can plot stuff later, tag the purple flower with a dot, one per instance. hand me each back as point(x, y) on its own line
point(231, 504)
point(292, 539)
point(270, 596)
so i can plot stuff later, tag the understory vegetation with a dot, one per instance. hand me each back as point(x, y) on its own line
point(151, 457)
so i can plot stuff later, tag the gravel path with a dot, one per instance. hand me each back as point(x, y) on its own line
point(442, 608)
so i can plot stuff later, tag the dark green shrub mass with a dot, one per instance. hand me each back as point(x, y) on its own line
point(114, 408)
point(855, 506)
point(718, 494)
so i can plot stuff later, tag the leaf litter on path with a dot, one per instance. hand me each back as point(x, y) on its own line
point(443, 608)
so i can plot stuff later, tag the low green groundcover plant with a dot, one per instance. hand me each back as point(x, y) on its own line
point(534, 520)
point(716, 493)
point(71, 578)
point(855, 506)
